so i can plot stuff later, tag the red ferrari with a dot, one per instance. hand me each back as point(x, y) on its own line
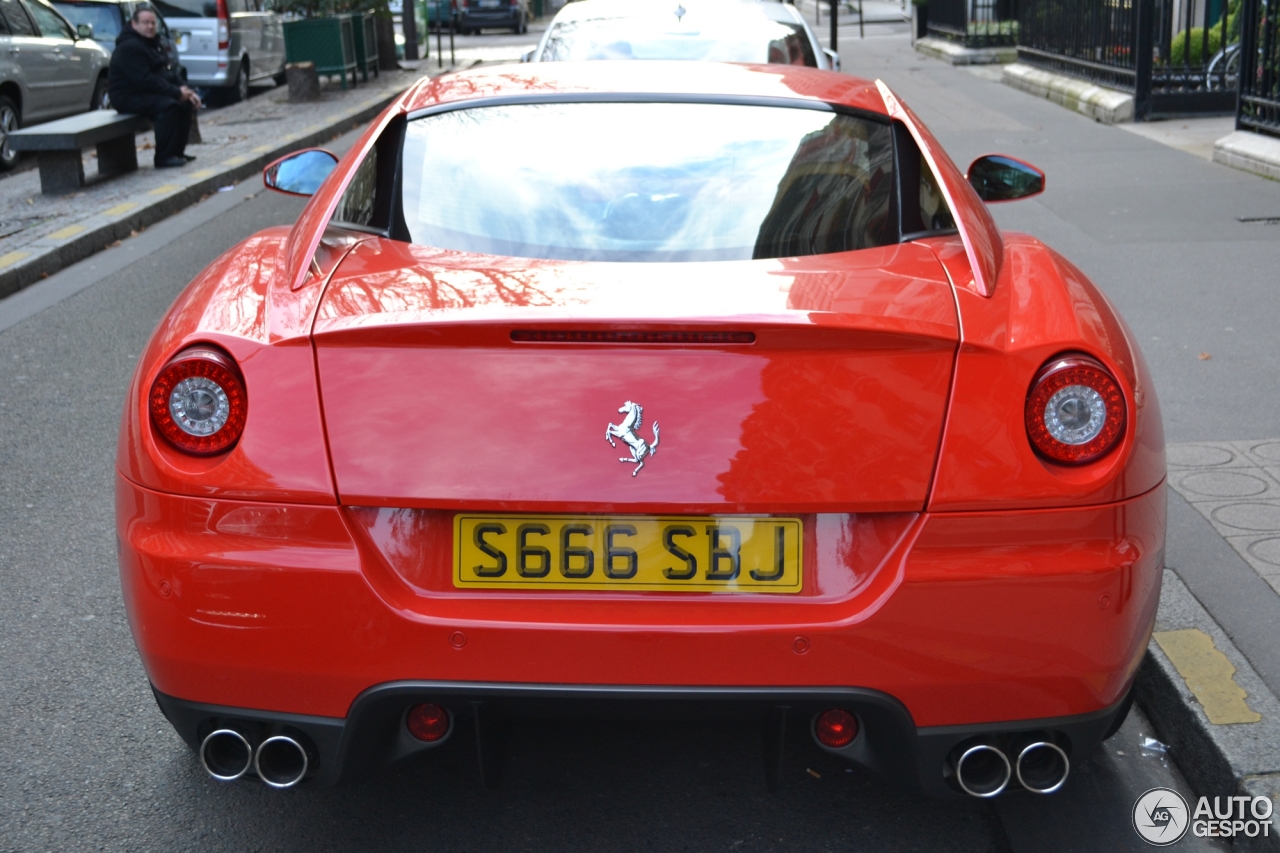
point(644, 388)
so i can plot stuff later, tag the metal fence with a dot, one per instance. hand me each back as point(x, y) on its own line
point(1174, 55)
point(1257, 58)
point(975, 23)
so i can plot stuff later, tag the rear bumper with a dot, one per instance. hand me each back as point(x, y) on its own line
point(964, 620)
point(372, 737)
point(508, 16)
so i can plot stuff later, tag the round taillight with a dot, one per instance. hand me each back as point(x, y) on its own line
point(835, 728)
point(1075, 412)
point(427, 722)
point(198, 402)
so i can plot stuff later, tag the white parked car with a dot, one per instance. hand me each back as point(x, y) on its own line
point(759, 31)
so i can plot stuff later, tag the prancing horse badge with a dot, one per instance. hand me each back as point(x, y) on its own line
point(640, 449)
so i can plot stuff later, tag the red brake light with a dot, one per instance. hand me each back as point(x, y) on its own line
point(1075, 411)
point(224, 28)
point(836, 728)
point(427, 722)
point(198, 402)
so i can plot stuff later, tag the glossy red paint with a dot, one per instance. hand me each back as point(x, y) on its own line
point(946, 563)
point(965, 618)
point(862, 342)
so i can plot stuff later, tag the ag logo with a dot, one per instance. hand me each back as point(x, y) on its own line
point(640, 449)
point(1160, 817)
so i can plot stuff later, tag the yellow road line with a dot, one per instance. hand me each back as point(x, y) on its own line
point(12, 258)
point(64, 233)
point(120, 208)
point(1209, 675)
point(167, 188)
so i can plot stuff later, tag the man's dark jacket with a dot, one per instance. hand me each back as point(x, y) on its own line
point(139, 79)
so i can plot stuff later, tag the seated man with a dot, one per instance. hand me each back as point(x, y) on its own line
point(140, 81)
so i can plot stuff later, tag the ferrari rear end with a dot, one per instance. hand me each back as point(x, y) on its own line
point(761, 417)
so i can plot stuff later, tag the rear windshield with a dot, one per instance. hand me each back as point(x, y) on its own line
point(629, 38)
point(103, 17)
point(186, 8)
point(648, 181)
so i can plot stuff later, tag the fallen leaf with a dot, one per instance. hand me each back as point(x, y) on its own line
point(1204, 356)
point(113, 245)
point(31, 201)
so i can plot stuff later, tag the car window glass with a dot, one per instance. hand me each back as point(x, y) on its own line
point(16, 18)
point(51, 24)
point(648, 181)
point(934, 212)
point(4, 27)
point(187, 8)
point(756, 40)
point(356, 205)
point(103, 17)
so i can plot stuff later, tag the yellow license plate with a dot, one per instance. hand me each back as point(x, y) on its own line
point(640, 552)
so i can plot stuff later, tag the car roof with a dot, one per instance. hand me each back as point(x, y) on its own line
point(706, 10)
point(660, 78)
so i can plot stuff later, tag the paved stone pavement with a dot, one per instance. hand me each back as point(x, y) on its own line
point(232, 135)
point(1236, 486)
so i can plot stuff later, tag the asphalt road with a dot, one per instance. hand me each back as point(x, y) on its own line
point(88, 763)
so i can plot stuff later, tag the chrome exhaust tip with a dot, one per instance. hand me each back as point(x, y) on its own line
point(983, 771)
point(281, 761)
point(226, 754)
point(1042, 767)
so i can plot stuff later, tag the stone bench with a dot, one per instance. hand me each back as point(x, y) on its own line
point(57, 146)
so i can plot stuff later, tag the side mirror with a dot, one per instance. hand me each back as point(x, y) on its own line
point(833, 58)
point(84, 31)
point(527, 56)
point(1000, 178)
point(300, 173)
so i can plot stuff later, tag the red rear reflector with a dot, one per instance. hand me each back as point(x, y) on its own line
point(427, 722)
point(836, 728)
point(554, 336)
point(198, 401)
point(1075, 411)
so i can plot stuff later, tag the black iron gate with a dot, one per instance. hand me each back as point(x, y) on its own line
point(1173, 55)
point(1258, 59)
point(975, 23)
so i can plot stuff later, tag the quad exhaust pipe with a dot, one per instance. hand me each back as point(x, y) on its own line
point(1042, 767)
point(984, 770)
point(280, 761)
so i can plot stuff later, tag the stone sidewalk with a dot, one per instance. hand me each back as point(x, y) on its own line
point(40, 234)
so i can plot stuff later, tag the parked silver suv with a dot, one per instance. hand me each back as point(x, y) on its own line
point(48, 69)
point(226, 44)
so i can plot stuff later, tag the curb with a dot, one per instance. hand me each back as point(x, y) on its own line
point(1218, 760)
point(47, 255)
point(1108, 106)
point(956, 54)
point(1249, 152)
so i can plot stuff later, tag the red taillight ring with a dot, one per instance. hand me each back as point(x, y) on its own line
point(1075, 411)
point(198, 402)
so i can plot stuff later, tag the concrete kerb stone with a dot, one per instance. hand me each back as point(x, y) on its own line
point(1249, 152)
point(1217, 760)
point(1108, 106)
point(47, 255)
point(958, 54)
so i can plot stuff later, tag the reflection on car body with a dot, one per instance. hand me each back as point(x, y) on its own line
point(907, 495)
